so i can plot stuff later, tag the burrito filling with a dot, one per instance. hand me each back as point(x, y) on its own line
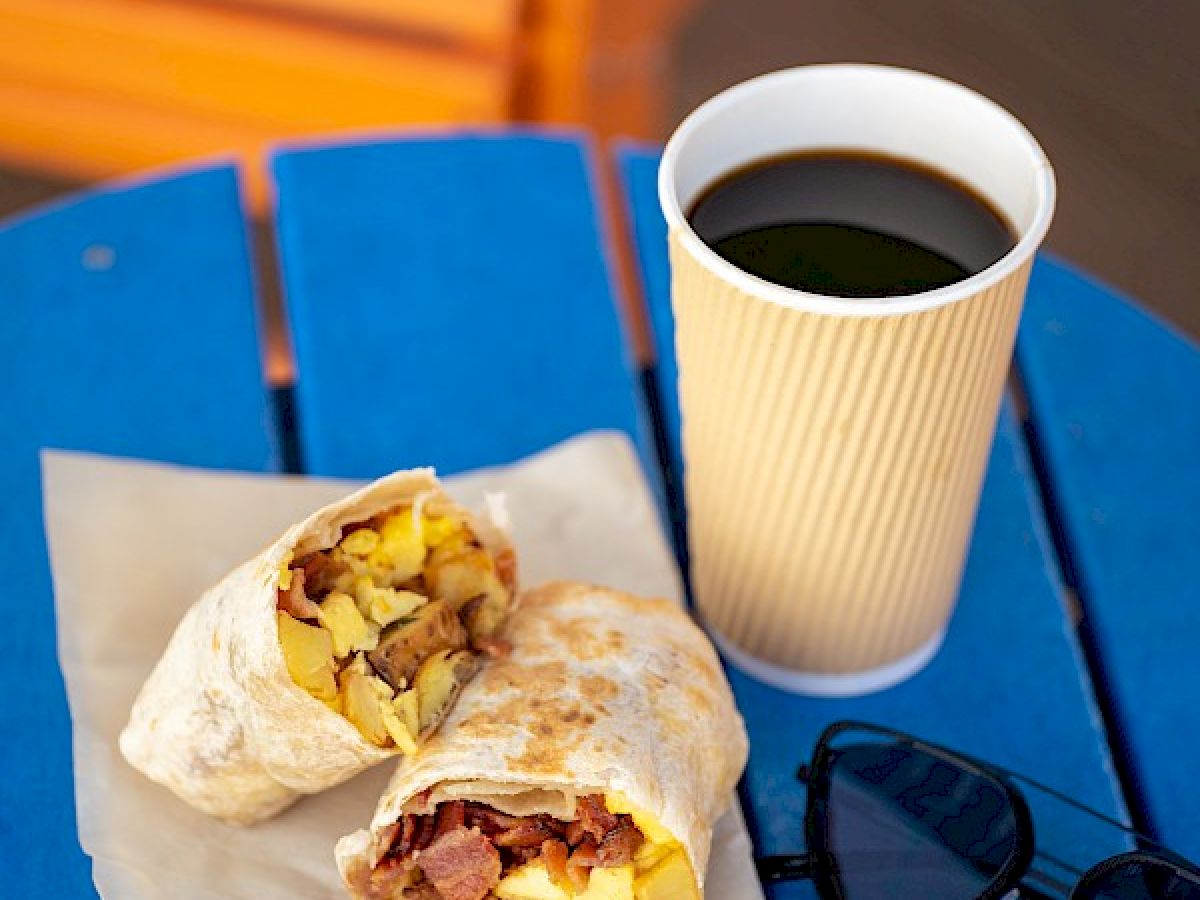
point(386, 627)
point(470, 851)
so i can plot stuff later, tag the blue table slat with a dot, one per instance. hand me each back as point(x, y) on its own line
point(1009, 685)
point(449, 303)
point(128, 329)
point(1115, 407)
point(639, 169)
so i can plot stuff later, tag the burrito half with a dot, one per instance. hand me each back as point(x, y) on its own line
point(343, 643)
point(592, 763)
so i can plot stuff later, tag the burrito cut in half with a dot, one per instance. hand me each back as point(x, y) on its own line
point(591, 763)
point(343, 643)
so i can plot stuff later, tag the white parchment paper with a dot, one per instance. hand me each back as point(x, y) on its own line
point(133, 544)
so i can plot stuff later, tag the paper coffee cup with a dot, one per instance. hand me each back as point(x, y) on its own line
point(835, 448)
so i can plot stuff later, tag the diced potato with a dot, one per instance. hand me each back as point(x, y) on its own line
point(404, 645)
point(361, 704)
point(373, 631)
point(368, 703)
point(438, 682)
point(407, 708)
point(530, 882)
point(485, 615)
point(614, 883)
point(618, 804)
point(460, 576)
point(308, 653)
point(345, 624)
point(404, 739)
point(671, 879)
point(360, 542)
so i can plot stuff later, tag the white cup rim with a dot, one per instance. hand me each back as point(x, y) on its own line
point(1027, 244)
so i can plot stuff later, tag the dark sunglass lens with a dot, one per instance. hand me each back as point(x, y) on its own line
point(1137, 878)
point(901, 823)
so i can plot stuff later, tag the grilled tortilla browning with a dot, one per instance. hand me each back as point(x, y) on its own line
point(589, 764)
point(340, 645)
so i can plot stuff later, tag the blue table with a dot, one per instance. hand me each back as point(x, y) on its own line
point(470, 274)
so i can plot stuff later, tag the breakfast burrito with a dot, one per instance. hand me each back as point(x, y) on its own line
point(343, 643)
point(590, 763)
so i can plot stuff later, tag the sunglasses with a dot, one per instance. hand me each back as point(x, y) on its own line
point(892, 817)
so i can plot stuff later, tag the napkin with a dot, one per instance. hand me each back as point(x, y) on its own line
point(133, 544)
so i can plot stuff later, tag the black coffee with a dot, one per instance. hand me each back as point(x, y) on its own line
point(849, 224)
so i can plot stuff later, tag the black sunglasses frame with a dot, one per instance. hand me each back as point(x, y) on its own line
point(816, 818)
point(820, 866)
point(1086, 888)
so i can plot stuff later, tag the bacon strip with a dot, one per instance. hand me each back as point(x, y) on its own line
point(529, 832)
point(488, 820)
point(450, 816)
point(464, 848)
point(554, 855)
point(462, 864)
point(403, 844)
point(426, 831)
point(620, 844)
point(595, 817)
point(575, 833)
point(294, 602)
point(583, 859)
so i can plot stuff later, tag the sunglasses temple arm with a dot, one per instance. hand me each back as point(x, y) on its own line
point(775, 869)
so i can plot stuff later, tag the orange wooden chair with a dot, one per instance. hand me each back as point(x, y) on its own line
point(94, 88)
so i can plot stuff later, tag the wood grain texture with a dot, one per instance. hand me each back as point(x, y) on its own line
point(234, 67)
point(486, 24)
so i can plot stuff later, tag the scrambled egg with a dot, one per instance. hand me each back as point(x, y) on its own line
point(381, 577)
point(340, 617)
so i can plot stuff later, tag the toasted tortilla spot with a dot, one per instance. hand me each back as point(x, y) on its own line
point(598, 688)
point(543, 680)
point(573, 633)
point(699, 698)
point(615, 641)
point(485, 727)
point(541, 758)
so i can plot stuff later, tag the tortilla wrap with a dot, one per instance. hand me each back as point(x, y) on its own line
point(603, 693)
point(220, 721)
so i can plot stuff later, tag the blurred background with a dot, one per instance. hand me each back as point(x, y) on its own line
point(91, 89)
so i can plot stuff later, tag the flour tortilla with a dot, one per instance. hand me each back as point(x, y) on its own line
point(604, 692)
point(220, 721)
